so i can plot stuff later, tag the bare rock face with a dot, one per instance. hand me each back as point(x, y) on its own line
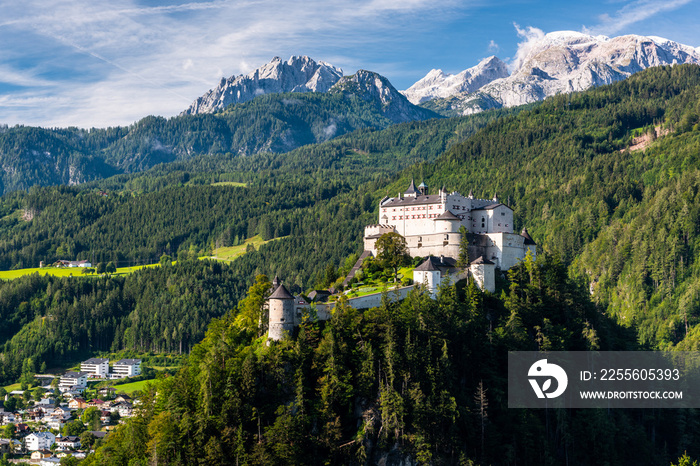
point(298, 74)
point(373, 87)
point(436, 84)
point(565, 61)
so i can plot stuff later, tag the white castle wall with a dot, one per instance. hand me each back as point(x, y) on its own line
point(428, 278)
point(484, 276)
point(506, 249)
point(438, 244)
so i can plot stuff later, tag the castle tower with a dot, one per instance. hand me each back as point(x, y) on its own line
point(484, 273)
point(411, 191)
point(529, 242)
point(281, 318)
point(423, 188)
point(447, 222)
point(429, 275)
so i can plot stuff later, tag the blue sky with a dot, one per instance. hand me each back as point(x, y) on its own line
point(98, 63)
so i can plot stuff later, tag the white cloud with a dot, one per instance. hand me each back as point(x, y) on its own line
point(632, 13)
point(493, 47)
point(102, 55)
point(530, 37)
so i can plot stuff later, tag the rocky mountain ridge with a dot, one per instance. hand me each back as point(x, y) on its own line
point(562, 62)
point(298, 74)
point(375, 88)
point(437, 84)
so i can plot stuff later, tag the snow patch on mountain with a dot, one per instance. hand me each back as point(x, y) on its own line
point(437, 84)
point(567, 61)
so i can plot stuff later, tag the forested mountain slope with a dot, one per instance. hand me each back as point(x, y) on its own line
point(136, 218)
point(271, 123)
point(421, 379)
point(628, 220)
point(53, 321)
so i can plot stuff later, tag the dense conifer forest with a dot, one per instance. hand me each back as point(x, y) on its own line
point(422, 380)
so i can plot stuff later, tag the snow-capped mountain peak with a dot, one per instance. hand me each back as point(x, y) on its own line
point(567, 61)
point(437, 84)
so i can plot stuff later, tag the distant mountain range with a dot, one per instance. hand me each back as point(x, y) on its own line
point(303, 74)
point(287, 104)
point(557, 63)
point(298, 74)
point(271, 122)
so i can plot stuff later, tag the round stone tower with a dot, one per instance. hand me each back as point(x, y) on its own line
point(281, 317)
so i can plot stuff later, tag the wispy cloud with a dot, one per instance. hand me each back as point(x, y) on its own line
point(493, 47)
point(530, 37)
point(128, 60)
point(632, 13)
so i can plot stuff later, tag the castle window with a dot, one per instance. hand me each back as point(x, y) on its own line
point(503, 214)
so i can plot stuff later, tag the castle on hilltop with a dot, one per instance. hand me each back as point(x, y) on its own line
point(430, 224)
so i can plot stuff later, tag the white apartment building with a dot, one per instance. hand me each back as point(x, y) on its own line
point(98, 367)
point(126, 368)
point(39, 441)
point(73, 381)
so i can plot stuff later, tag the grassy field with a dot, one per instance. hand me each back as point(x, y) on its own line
point(130, 388)
point(63, 271)
point(230, 183)
point(229, 253)
point(14, 386)
point(378, 286)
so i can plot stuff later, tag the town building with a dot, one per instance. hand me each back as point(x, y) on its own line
point(73, 381)
point(96, 367)
point(126, 368)
point(70, 442)
point(39, 441)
